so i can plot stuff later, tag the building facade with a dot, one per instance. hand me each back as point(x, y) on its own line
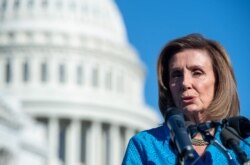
point(71, 66)
point(22, 141)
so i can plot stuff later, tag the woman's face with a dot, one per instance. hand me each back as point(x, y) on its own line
point(191, 80)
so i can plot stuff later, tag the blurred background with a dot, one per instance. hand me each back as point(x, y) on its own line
point(71, 83)
point(78, 77)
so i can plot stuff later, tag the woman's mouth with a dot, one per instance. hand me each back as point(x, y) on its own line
point(187, 100)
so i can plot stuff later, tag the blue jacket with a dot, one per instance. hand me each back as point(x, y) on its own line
point(152, 147)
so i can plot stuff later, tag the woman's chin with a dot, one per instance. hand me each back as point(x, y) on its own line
point(193, 113)
point(191, 108)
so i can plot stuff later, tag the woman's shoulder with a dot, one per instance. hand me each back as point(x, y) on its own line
point(160, 133)
point(245, 145)
point(150, 146)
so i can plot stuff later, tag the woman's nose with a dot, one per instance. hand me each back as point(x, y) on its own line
point(186, 82)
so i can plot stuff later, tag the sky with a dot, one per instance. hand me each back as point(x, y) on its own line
point(152, 23)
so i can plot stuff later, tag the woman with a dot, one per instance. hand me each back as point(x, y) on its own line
point(196, 76)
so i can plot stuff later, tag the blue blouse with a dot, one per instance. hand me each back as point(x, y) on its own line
point(152, 147)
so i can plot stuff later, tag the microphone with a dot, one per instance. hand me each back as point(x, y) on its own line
point(240, 124)
point(229, 140)
point(175, 122)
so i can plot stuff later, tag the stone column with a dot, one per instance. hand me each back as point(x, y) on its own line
point(53, 72)
point(94, 144)
point(16, 71)
point(73, 143)
point(87, 74)
point(115, 145)
point(71, 76)
point(53, 136)
point(22, 7)
point(35, 72)
point(37, 7)
point(9, 8)
point(2, 71)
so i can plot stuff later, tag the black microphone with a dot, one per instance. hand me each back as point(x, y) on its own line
point(229, 140)
point(179, 135)
point(240, 124)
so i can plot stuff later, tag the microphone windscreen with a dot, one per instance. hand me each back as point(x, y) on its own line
point(228, 134)
point(172, 111)
point(240, 124)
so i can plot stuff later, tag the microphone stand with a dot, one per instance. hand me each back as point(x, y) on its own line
point(233, 143)
point(241, 155)
point(184, 157)
point(181, 160)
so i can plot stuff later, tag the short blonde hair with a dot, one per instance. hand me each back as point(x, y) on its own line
point(226, 102)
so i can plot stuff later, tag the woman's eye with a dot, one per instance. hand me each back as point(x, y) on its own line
point(197, 73)
point(176, 74)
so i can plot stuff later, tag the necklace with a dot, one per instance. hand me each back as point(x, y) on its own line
point(199, 142)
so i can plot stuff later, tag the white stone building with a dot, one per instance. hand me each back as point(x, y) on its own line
point(22, 141)
point(71, 66)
